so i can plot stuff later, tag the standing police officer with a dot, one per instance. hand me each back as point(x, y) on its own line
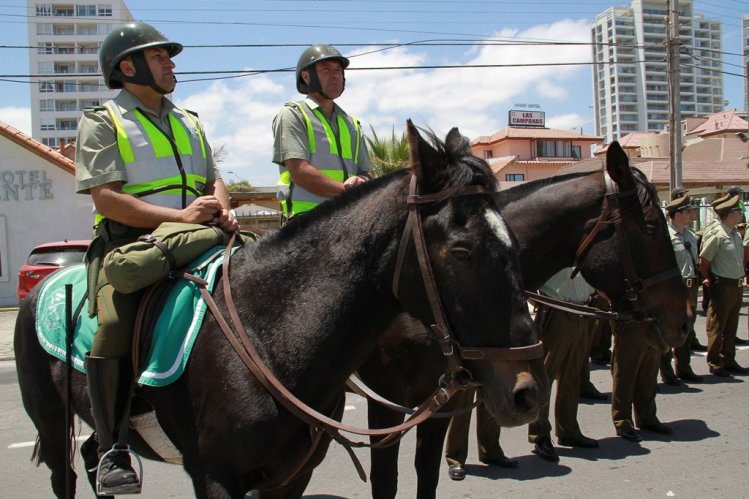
point(320, 150)
point(681, 213)
point(143, 161)
point(722, 265)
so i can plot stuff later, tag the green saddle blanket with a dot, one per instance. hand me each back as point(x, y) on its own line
point(174, 333)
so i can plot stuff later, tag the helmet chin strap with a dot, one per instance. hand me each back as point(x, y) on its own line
point(143, 75)
point(314, 83)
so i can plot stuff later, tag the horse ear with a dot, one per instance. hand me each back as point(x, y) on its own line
point(457, 142)
point(424, 157)
point(617, 164)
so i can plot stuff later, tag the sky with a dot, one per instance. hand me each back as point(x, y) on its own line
point(427, 60)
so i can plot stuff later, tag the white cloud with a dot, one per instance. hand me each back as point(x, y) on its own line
point(17, 117)
point(474, 99)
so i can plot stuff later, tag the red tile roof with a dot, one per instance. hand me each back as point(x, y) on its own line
point(723, 122)
point(23, 140)
point(533, 133)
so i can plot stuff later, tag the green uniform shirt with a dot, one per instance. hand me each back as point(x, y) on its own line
point(97, 156)
point(561, 287)
point(290, 136)
point(725, 252)
point(685, 249)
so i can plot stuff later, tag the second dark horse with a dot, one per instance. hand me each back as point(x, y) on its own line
point(552, 219)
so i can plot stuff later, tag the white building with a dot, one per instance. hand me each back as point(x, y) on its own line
point(38, 204)
point(67, 37)
point(745, 52)
point(630, 77)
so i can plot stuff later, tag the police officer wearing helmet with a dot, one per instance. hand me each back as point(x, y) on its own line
point(143, 161)
point(319, 148)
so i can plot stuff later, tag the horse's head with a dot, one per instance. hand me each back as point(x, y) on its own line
point(475, 296)
point(630, 258)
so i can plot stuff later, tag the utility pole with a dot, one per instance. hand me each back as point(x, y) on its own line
point(674, 95)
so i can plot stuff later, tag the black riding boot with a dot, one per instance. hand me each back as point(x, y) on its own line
point(108, 388)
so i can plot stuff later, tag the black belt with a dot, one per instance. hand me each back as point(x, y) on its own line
point(728, 281)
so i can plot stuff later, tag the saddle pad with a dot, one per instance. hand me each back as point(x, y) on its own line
point(174, 333)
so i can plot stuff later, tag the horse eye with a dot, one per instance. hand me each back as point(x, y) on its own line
point(461, 253)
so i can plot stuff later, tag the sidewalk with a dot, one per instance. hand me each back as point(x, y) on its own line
point(7, 325)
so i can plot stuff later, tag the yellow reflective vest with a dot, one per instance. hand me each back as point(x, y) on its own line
point(160, 170)
point(336, 156)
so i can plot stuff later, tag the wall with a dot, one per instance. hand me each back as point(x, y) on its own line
point(37, 204)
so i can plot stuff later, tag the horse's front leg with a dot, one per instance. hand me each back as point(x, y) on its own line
point(384, 466)
point(430, 438)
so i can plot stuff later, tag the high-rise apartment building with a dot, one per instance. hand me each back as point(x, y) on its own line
point(745, 52)
point(630, 75)
point(67, 37)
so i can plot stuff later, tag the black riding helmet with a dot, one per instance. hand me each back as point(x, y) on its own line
point(309, 58)
point(130, 40)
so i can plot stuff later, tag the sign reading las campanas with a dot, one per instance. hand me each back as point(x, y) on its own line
point(527, 118)
point(20, 185)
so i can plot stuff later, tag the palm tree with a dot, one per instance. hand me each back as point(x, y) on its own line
point(387, 155)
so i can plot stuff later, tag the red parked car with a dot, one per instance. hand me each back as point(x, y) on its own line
point(47, 258)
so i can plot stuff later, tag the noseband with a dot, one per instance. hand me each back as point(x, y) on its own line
point(613, 213)
point(453, 352)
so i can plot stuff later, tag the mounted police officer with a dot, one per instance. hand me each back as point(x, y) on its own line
point(143, 161)
point(320, 150)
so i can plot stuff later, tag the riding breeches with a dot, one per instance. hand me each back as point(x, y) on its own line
point(116, 314)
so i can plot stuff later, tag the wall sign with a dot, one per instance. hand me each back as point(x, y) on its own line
point(527, 118)
point(24, 185)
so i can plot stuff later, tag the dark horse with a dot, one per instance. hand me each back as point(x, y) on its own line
point(633, 265)
point(315, 297)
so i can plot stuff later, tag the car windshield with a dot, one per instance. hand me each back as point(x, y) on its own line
point(57, 256)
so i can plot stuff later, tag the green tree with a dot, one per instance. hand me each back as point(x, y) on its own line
point(387, 155)
point(239, 186)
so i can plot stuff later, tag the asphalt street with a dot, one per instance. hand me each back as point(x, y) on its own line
point(705, 458)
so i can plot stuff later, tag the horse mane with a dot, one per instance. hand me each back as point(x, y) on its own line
point(646, 192)
point(464, 168)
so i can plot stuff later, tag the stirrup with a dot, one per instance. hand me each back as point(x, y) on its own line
point(130, 488)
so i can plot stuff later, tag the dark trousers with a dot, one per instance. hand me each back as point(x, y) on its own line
point(634, 372)
point(566, 340)
point(487, 432)
point(683, 353)
point(722, 322)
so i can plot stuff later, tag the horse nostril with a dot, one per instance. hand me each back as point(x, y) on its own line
point(526, 394)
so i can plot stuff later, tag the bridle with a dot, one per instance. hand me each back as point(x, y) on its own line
point(451, 349)
point(616, 207)
point(455, 379)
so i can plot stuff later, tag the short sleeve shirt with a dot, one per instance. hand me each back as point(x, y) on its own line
point(97, 157)
point(561, 287)
point(724, 250)
point(685, 249)
point(290, 135)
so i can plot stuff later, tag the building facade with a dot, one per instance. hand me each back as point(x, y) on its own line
point(38, 204)
point(67, 37)
point(630, 74)
point(745, 53)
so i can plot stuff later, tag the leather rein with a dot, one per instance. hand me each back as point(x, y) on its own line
point(628, 307)
point(455, 379)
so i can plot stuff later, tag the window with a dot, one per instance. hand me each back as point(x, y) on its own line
point(46, 87)
point(67, 124)
point(553, 149)
point(43, 28)
point(88, 49)
point(488, 154)
point(89, 68)
point(86, 29)
point(47, 105)
point(577, 152)
point(66, 105)
point(64, 67)
point(85, 10)
point(45, 48)
point(104, 29)
point(514, 177)
point(49, 141)
point(44, 9)
point(47, 124)
point(63, 30)
point(105, 9)
point(46, 67)
point(89, 87)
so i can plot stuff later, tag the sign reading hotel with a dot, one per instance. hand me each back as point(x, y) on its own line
point(527, 118)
